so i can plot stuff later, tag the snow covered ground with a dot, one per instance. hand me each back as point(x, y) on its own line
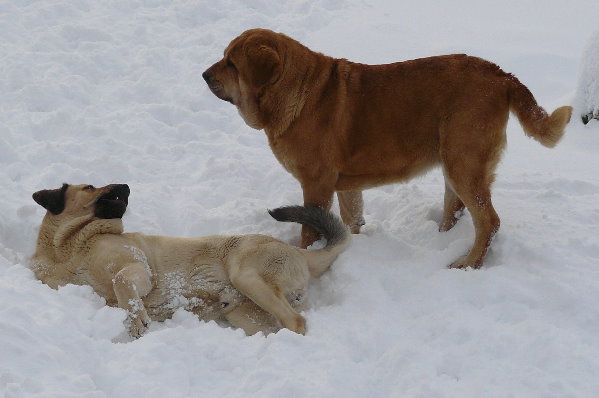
point(111, 91)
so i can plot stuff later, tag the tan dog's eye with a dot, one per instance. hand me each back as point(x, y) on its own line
point(230, 63)
point(89, 188)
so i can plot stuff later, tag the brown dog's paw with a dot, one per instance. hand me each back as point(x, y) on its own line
point(462, 263)
point(448, 224)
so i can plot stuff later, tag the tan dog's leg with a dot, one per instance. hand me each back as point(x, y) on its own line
point(130, 284)
point(452, 208)
point(318, 193)
point(351, 206)
point(252, 319)
point(252, 285)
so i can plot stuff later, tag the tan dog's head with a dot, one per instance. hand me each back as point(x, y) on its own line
point(251, 64)
point(79, 200)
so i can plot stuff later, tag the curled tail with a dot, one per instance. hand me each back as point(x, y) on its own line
point(327, 224)
point(547, 129)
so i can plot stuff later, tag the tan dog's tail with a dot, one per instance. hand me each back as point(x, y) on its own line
point(547, 129)
point(327, 224)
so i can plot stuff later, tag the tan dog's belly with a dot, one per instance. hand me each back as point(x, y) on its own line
point(194, 274)
point(189, 273)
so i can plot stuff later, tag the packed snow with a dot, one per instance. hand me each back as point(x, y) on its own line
point(111, 91)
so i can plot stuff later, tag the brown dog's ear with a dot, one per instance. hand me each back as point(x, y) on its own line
point(264, 62)
point(51, 199)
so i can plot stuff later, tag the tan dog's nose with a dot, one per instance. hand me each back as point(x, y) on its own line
point(207, 75)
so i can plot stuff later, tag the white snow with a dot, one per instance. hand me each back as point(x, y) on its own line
point(588, 80)
point(111, 91)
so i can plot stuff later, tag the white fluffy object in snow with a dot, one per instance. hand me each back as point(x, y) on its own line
point(588, 81)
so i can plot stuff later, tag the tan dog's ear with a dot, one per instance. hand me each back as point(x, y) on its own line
point(51, 199)
point(264, 63)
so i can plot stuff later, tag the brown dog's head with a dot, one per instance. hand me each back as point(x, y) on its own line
point(78, 200)
point(252, 63)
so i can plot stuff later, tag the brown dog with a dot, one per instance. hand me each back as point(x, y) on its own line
point(339, 126)
point(254, 282)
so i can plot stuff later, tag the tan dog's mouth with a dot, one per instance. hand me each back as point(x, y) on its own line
point(113, 203)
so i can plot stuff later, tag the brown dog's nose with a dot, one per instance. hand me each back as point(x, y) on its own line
point(207, 76)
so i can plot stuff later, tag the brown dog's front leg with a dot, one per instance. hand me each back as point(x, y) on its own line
point(351, 205)
point(130, 284)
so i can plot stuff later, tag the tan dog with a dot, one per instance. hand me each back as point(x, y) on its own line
point(248, 280)
point(339, 126)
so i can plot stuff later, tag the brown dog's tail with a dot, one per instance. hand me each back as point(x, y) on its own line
point(547, 129)
point(324, 222)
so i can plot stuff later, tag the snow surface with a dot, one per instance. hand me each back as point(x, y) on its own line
point(111, 92)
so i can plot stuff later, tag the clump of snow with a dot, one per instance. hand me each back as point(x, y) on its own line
point(106, 92)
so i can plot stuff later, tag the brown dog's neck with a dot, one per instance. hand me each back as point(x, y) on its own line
point(282, 104)
point(59, 239)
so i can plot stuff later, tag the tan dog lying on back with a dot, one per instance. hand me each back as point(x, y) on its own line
point(254, 282)
point(340, 126)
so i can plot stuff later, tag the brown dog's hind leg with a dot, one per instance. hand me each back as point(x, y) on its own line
point(469, 159)
point(486, 224)
point(452, 209)
point(351, 205)
point(470, 174)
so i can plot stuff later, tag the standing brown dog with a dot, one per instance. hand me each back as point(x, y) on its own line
point(340, 126)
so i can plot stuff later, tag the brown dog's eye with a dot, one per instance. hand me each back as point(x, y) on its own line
point(230, 64)
point(89, 188)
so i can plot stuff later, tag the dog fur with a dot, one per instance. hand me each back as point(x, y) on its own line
point(255, 282)
point(340, 126)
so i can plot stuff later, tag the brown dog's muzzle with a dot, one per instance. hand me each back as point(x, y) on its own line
point(215, 86)
point(208, 76)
